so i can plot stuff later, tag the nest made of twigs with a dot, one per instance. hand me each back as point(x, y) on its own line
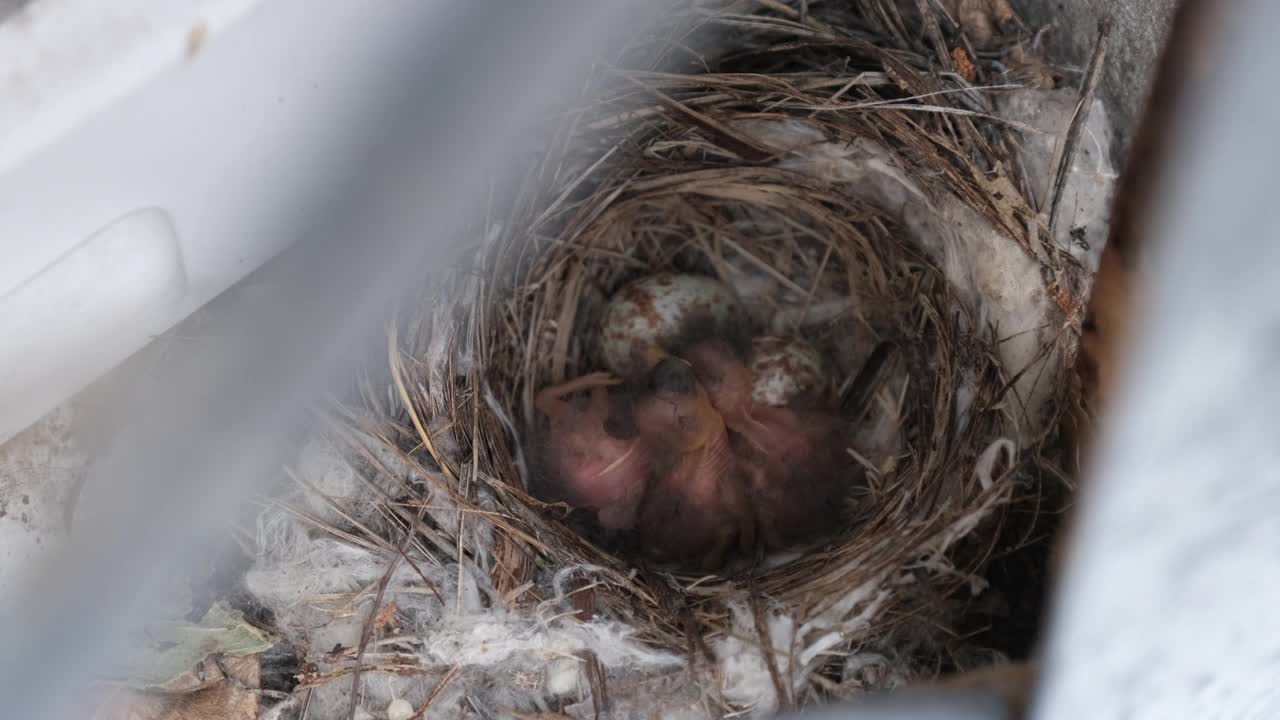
point(682, 171)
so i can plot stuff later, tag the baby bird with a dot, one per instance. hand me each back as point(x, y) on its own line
point(582, 462)
point(798, 475)
point(696, 513)
point(655, 458)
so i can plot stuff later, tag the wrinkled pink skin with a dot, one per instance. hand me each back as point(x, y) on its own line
point(590, 468)
point(796, 473)
point(799, 475)
point(676, 481)
point(696, 513)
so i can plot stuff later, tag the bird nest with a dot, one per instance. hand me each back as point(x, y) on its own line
point(850, 185)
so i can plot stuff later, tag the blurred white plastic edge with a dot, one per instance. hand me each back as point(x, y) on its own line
point(87, 309)
point(61, 60)
point(203, 129)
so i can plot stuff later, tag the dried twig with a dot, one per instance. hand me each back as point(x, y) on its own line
point(1079, 119)
point(785, 701)
point(367, 632)
point(449, 677)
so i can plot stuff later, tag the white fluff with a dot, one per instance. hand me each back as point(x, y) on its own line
point(334, 479)
point(321, 589)
point(564, 677)
point(995, 277)
point(799, 647)
point(489, 640)
point(745, 677)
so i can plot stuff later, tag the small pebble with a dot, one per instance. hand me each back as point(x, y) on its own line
point(400, 709)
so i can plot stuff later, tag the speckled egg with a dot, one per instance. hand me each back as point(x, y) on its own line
point(646, 315)
point(784, 369)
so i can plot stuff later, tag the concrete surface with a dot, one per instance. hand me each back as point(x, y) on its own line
point(1139, 32)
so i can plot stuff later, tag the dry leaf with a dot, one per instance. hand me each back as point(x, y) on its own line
point(175, 656)
point(233, 699)
point(964, 66)
point(1006, 198)
point(386, 616)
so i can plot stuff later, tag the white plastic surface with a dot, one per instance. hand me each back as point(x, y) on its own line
point(87, 309)
point(229, 116)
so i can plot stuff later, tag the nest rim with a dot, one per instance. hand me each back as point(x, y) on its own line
point(566, 239)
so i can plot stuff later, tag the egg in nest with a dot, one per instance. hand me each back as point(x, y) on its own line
point(784, 369)
point(643, 318)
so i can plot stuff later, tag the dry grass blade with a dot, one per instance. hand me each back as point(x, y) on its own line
point(367, 632)
point(448, 678)
point(769, 654)
point(735, 141)
point(1067, 151)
